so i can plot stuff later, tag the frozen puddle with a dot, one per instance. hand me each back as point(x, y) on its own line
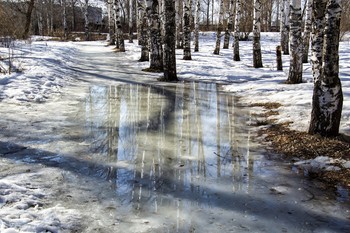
point(137, 158)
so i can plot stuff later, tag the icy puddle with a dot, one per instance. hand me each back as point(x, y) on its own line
point(136, 158)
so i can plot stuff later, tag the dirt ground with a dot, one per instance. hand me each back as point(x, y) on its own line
point(296, 146)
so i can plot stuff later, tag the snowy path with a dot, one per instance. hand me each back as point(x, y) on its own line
point(113, 154)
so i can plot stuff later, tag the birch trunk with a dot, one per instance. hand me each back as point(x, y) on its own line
point(169, 41)
point(327, 101)
point(86, 20)
point(187, 32)
point(285, 27)
point(257, 58)
point(154, 27)
point(111, 23)
point(65, 28)
point(228, 30)
point(296, 45)
point(143, 31)
point(307, 31)
point(118, 27)
point(219, 28)
point(196, 26)
point(131, 20)
point(236, 56)
point(179, 26)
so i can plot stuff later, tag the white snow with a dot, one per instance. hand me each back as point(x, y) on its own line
point(46, 69)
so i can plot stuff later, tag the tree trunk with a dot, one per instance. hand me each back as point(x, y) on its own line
point(257, 58)
point(229, 25)
point(219, 28)
point(187, 32)
point(307, 31)
point(143, 37)
point(327, 96)
point(111, 23)
point(118, 27)
point(296, 45)
point(285, 27)
point(236, 56)
point(156, 61)
point(169, 41)
point(179, 26)
point(28, 19)
point(196, 26)
point(131, 20)
point(65, 27)
point(279, 58)
point(86, 20)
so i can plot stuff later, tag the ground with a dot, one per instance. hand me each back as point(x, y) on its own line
point(296, 146)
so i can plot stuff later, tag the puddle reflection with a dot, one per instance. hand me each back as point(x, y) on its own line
point(162, 143)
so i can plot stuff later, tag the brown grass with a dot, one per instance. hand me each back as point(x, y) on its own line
point(301, 145)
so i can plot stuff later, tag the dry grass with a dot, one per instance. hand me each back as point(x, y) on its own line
point(301, 145)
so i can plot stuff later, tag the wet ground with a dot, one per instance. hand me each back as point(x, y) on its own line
point(131, 156)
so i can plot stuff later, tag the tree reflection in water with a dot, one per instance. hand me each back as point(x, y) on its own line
point(167, 149)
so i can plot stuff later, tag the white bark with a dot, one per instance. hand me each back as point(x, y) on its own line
point(257, 58)
point(86, 20)
point(154, 27)
point(219, 28)
point(285, 9)
point(118, 27)
point(236, 56)
point(196, 26)
point(131, 20)
point(228, 30)
point(187, 31)
point(296, 45)
point(327, 96)
point(307, 31)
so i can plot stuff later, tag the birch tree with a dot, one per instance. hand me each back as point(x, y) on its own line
point(307, 31)
point(196, 25)
point(169, 41)
point(178, 19)
point(219, 28)
point(154, 27)
point(257, 59)
point(120, 45)
point(187, 31)
point(236, 56)
point(143, 31)
point(296, 45)
point(110, 22)
point(86, 20)
point(285, 26)
point(327, 101)
point(131, 19)
point(228, 30)
point(65, 26)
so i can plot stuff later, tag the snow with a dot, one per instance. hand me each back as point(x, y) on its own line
point(47, 67)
